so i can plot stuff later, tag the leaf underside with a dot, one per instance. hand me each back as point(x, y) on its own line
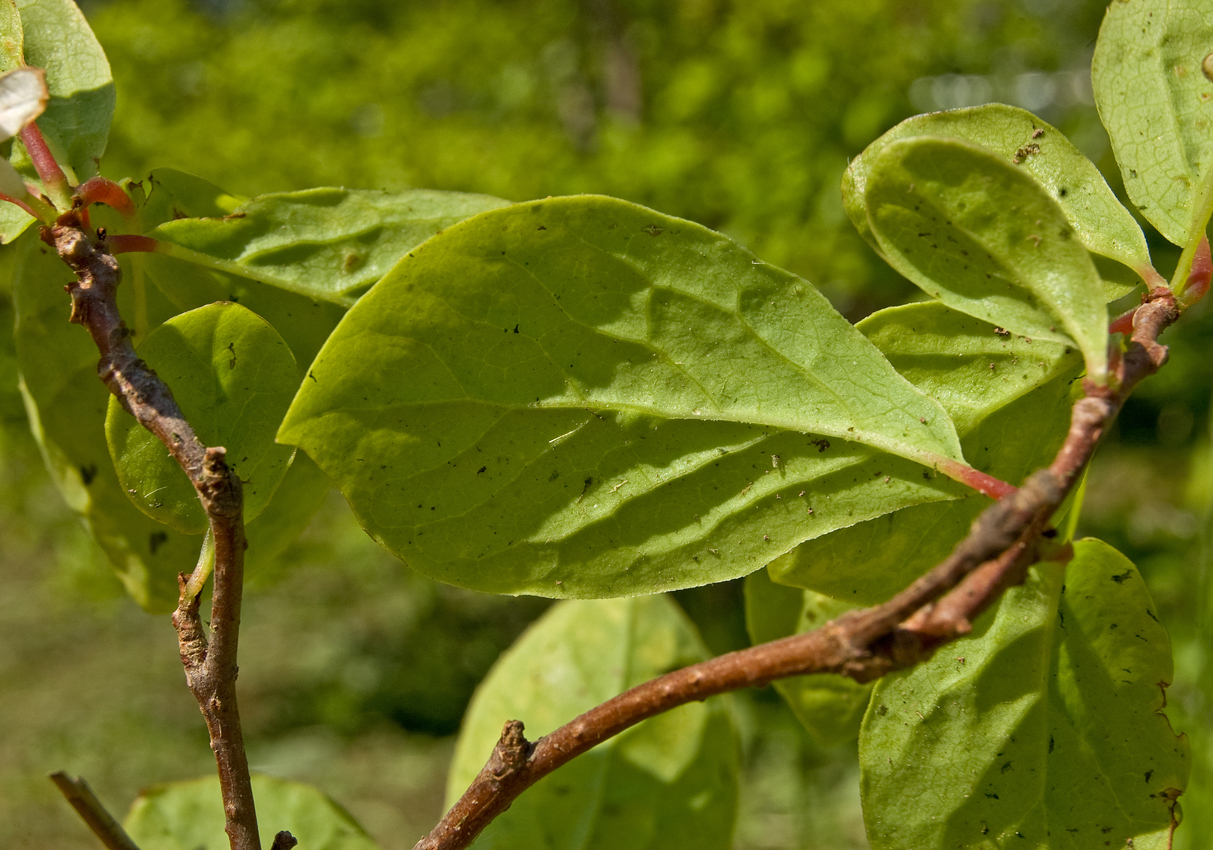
point(605, 401)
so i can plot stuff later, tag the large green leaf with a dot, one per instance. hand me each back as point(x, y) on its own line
point(669, 782)
point(1099, 220)
point(830, 706)
point(602, 400)
point(233, 377)
point(979, 234)
point(326, 244)
point(1011, 401)
point(1043, 729)
point(1155, 96)
point(189, 816)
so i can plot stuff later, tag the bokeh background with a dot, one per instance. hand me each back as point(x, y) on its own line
point(738, 114)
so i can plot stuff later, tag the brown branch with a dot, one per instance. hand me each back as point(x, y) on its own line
point(85, 802)
point(865, 644)
point(210, 666)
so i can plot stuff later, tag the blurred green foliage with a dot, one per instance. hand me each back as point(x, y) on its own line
point(738, 114)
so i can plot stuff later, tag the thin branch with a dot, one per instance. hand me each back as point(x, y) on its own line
point(210, 666)
point(86, 804)
point(865, 644)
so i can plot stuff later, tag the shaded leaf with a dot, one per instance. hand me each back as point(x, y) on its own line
point(189, 816)
point(1043, 728)
point(830, 706)
point(983, 237)
point(605, 401)
point(1099, 220)
point(669, 782)
point(1157, 105)
point(1011, 401)
point(168, 194)
point(233, 377)
point(326, 244)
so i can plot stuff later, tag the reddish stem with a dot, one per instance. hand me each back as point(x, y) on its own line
point(10, 199)
point(99, 190)
point(985, 484)
point(44, 161)
point(1198, 278)
point(129, 243)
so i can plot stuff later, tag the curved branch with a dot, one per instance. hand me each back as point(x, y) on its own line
point(210, 666)
point(865, 644)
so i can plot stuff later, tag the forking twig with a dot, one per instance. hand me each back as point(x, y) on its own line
point(210, 665)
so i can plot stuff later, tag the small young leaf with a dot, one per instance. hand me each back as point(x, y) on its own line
point(1100, 221)
point(189, 816)
point(1044, 727)
point(233, 377)
point(1157, 103)
point(830, 706)
point(983, 237)
point(602, 400)
point(326, 244)
point(669, 782)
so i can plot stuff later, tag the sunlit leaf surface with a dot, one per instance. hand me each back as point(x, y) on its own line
point(1099, 220)
point(583, 397)
point(1043, 729)
point(979, 234)
point(1155, 97)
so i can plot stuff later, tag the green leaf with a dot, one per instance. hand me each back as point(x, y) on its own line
point(77, 118)
point(1043, 729)
point(189, 816)
point(66, 404)
point(326, 244)
point(1010, 399)
point(12, 51)
point(1099, 221)
point(830, 706)
point(167, 195)
point(983, 237)
point(604, 401)
point(233, 377)
point(1157, 104)
point(669, 782)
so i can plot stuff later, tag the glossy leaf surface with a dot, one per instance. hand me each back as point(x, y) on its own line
point(983, 237)
point(189, 816)
point(602, 400)
point(1011, 401)
point(326, 244)
point(1043, 729)
point(669, 782)
point(1099, 220)
point(233, 377)
point(1157, 104)
point(830, 706)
